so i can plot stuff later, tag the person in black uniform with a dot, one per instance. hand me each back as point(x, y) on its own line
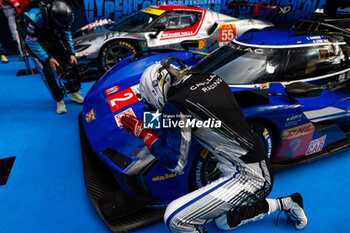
point(240, 194)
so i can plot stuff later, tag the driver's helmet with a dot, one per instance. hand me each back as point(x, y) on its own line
point(61, 14)
point(154, 84)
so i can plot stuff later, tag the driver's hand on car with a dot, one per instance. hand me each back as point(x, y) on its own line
point(53, 64)
point(73, 60)
point(134, 126)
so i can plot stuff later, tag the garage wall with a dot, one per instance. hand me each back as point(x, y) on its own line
point(118, 9)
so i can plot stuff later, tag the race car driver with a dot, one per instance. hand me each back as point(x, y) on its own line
point(46, 28)
point(239, 195)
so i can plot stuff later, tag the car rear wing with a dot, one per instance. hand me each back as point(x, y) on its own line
point(325, 26)
point(281, 10)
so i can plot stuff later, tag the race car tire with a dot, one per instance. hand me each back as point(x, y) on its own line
point(113, 52)
point(264, 134)
point(204, 169)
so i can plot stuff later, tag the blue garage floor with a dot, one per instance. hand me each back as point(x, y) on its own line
point(45, 191)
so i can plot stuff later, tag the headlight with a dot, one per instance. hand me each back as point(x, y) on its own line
point(79, 48)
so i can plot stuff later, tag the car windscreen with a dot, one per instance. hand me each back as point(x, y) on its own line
point(134, 23)
point(243, 64)
point(238, 64)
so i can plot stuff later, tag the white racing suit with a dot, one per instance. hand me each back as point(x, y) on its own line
point(238, 196)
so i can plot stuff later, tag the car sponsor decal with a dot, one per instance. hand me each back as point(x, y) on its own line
point(168, 176)
point(316, 145)
point(112, 90)
point(227, 32)
point(118, 117)
point(296, 140)
point(90, 116)
point(153, 11)
point(122, 99)
point(85, 53)
point(298, 131)
point(201, 44)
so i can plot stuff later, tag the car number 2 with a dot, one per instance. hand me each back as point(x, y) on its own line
point(122, 99)
point(127, 96)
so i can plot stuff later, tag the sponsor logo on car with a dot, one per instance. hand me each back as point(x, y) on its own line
point(168, 176)
point(119, 116)
point(298, 131)
point(112, 90)
point(90, 116)
point(316, 145)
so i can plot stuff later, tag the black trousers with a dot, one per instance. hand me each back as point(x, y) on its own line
point(56, 50)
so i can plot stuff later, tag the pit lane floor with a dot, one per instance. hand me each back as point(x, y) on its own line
point(45, 190)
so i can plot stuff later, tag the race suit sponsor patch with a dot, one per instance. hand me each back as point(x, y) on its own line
point(119, 116)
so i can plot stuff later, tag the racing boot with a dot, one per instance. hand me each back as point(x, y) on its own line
point(76, 97)
point(61, 107)
point(4, 59)
point(293, 208)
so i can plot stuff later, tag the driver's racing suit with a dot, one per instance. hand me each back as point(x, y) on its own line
point(238, 196)
point(44, 41)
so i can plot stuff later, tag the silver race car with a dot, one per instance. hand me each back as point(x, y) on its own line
point(103, 45)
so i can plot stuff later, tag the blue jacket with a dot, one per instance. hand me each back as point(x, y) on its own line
point(172, 148)
point(35, 25)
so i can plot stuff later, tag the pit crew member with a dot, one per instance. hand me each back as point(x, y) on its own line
point(239, 195)
point(48, 38)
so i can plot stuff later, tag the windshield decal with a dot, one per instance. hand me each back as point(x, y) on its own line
point(153, 11)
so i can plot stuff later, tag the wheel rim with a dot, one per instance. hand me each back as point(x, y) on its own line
point(115, 54)
point(211, 171)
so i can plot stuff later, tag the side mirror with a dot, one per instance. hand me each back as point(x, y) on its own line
point(160, 27)
point(303, 90)
point(190, 43)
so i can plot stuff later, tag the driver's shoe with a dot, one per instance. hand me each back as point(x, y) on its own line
point(61, 107)
point(293, 208)
point(76, 97)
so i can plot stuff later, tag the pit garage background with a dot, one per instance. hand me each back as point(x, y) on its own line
point(41, 175)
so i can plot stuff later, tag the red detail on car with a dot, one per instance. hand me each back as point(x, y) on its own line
point(112, 90)
point(191, 31)
point(122, 99)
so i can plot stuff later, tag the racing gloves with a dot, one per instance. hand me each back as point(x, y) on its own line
point(134, 126)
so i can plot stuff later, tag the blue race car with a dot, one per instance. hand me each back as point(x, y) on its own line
point(293, 87)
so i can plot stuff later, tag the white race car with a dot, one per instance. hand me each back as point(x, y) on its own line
point(103, 44)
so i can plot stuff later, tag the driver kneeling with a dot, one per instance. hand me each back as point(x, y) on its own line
point(239, 195)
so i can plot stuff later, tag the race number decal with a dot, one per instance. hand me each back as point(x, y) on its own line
point(119, 116)
point(227, 32)
point(122, 99)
